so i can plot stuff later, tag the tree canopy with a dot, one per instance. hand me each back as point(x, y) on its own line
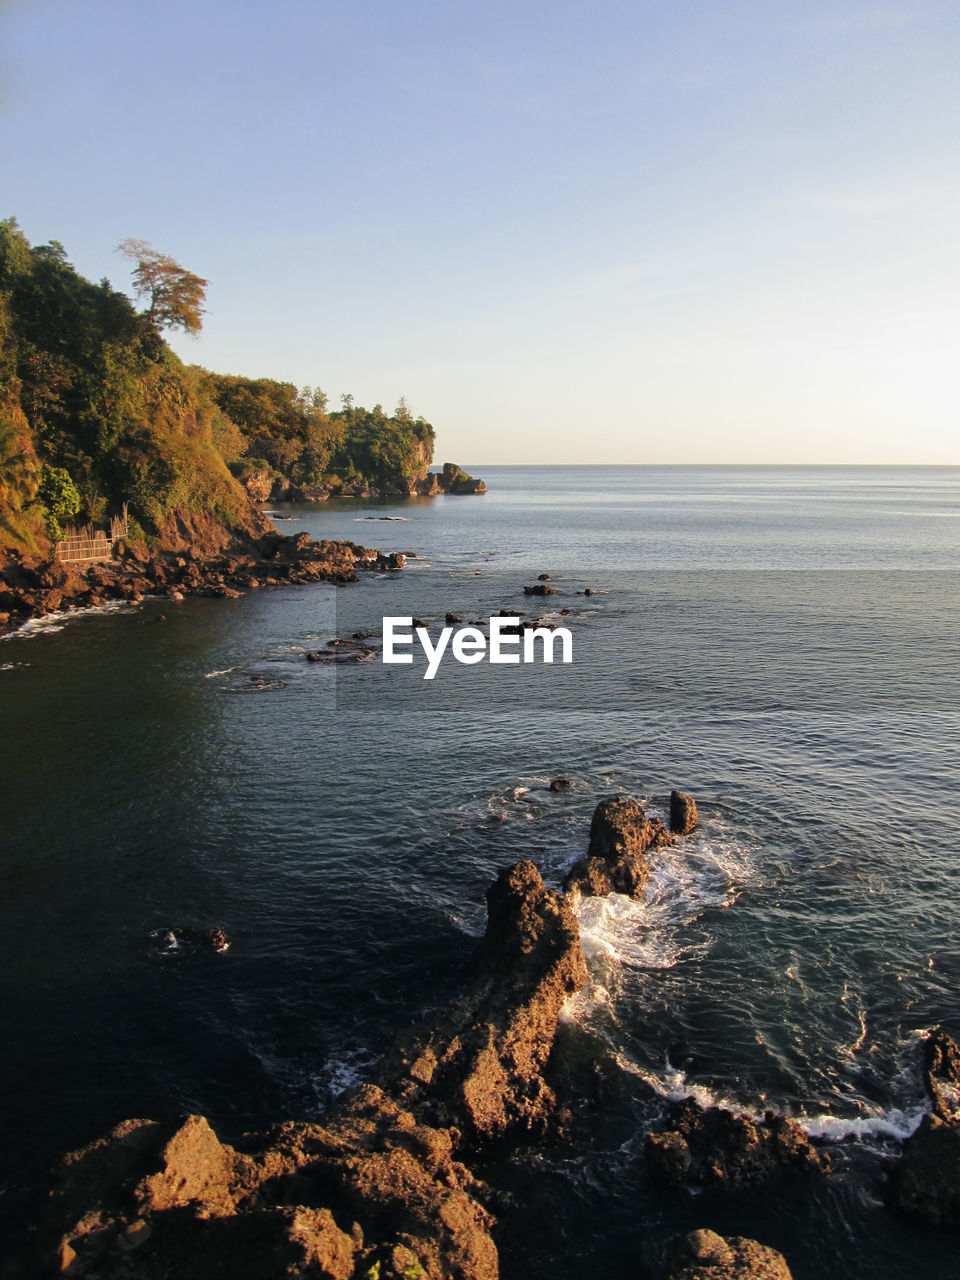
point(174, 295)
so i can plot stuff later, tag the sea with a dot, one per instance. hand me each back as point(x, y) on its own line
point(781, 643)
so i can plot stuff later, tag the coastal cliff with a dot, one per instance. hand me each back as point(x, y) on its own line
point(98, 417)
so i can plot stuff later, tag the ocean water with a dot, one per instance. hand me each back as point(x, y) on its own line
point(782, 643)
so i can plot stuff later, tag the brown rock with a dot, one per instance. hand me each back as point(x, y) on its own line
point(196, 1168)
point(483, 1060)
point(683, 813)
point(377, 1187)
point(620, 835)
point(941, 1073)
point(714, 1147)
point(704, 1255)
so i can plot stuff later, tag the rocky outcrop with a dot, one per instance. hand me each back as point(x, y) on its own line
point(683, 813)
point(479, 1067)
point(925, 1183)
point(941, 1074)
point(704, 1255)
point(455, 480)
point(378, 1188)
point(369, 1186)
point(711, 1146)
point(620, 835)
point(194, 554)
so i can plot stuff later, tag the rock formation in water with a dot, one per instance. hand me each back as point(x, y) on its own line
point(925, 1182)
point(380, 1189)
point(620, 835)
point(704, 1255)
point(683, 813)
point(713, 1147)
point(375, 1190)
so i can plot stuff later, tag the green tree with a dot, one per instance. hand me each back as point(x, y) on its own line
point(174, 295)
point(59, 496)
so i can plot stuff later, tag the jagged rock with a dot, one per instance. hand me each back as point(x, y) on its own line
point(479, 1066)
point(620, 835)
point(683, 813)
point(539, 589)
point(713, 1147)
point(453, 619)
point(543, 577)
point(704, 1255)
point(941, 1074)
point(559, 784)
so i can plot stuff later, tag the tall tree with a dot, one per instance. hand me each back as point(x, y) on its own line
point(174, 295)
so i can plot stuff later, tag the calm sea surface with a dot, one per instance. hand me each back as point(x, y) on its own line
point(782, 643)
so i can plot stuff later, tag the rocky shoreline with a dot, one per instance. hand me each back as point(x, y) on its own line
point(386, 1186)
point(194, 555)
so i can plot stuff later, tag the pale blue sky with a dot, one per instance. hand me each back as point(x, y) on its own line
point(617, 232)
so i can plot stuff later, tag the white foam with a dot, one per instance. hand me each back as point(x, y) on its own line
point(345, 1071)
point(52, 622)
point(895, 1123)
point(225, 672)
point(685, 880)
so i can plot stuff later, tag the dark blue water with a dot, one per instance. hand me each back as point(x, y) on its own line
point(781, 642)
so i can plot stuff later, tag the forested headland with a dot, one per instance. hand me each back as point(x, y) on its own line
point(98, 413)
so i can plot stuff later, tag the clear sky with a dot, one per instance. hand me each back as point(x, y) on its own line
point(655, 231)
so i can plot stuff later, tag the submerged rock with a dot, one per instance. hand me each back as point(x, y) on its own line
point(713, 1147)
point(620, 835)
point(683, 813)
point(704, 1255)
point(187, 939)
point(559, 784)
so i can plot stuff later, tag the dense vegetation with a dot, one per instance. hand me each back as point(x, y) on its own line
point(290, 433)
point(96, 410)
